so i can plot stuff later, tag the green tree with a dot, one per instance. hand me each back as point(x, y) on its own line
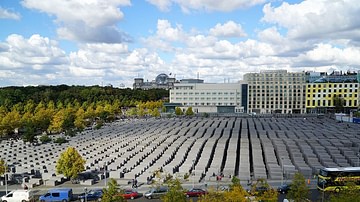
point(299, 190)
point(189, 111)
point(349, 194)
point(113, 193)
point(70, 163)
point(29, 133)
point(45, 139)
point(176, 191)
point(178, 111)
point(339, 104)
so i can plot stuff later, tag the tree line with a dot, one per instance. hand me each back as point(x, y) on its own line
point(28, 111)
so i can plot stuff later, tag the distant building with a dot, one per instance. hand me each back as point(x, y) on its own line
point(210, 97)
point(324, 93)
point(162, 81)
point(276, 91)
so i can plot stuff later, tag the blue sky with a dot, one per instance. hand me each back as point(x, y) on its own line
point(97, 42)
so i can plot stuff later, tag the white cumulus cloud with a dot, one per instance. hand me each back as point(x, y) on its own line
point(88, 21)
point(228, 29)
point(7, 14)
point(316, 18)
point(207, 5)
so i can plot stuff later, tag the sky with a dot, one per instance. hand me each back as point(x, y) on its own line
point(102, 42)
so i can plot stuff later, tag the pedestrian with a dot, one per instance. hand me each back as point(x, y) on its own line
point(135, 182)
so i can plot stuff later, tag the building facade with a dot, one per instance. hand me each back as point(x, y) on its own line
point(162, 81)
point(210, 97)
point(276, 91)
point(336, 92)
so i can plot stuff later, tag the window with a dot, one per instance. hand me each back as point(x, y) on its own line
point(57, 194)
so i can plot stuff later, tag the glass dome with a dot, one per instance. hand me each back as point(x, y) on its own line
point(161, 79)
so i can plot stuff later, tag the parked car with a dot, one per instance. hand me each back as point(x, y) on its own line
point(92, 195)
point(156, 192)
point(18, 195)
point(131, 194)
point(284, 188)
point(64, 195)
point(195, 192)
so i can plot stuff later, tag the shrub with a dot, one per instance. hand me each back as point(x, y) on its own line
point(60, 140)
point(45, 139)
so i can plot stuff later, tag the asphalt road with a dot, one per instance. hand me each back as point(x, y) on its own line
point(315, 195)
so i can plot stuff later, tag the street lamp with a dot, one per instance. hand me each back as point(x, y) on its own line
point(5, 175)
point(323, 194)
point(193, 175)
point(85, 189)
point(105, 166)
point(282, 170)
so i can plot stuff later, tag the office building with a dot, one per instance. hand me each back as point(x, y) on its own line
point(276, 91)
point(210, 97)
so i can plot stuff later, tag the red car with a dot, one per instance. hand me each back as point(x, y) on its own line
point(194, 192)
point(131, 194)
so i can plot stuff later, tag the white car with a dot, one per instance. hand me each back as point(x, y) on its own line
point(18, 195)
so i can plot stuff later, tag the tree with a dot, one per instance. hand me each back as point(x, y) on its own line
point(339, 103)
point(2, 167)
point(236, 193)
point(178, 111)
point(212, 196)
point(79, 119)
point(189, 112)
point(70, 163)
point(299, 190)
point(175, 193)
point(349, 194)
point(269, 194)
point(113, 193)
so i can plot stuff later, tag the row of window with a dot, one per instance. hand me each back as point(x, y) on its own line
point(209, 104)
point(277, 106)
point(276, 95)
point(330, 95)
point(204, 93)
point(271, 91)
point(328, 103)
point(326, 85)
point(277, 86)
point(335, 90)
point(202, 98)
point(278, 102)
point(276, 82)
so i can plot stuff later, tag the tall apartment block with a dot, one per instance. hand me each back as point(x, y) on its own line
point(335, 92)
point(276, 91)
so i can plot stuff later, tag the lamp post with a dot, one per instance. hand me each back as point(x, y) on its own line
point(105, 166)
point(282, 170)
point(193, 171)
point(323, 194)
point(5, 175)
point(85, 189)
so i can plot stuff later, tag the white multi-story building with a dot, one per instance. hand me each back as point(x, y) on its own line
point(276, 91)
point(210, 97)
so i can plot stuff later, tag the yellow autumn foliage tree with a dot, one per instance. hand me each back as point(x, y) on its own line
point(70, 163)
